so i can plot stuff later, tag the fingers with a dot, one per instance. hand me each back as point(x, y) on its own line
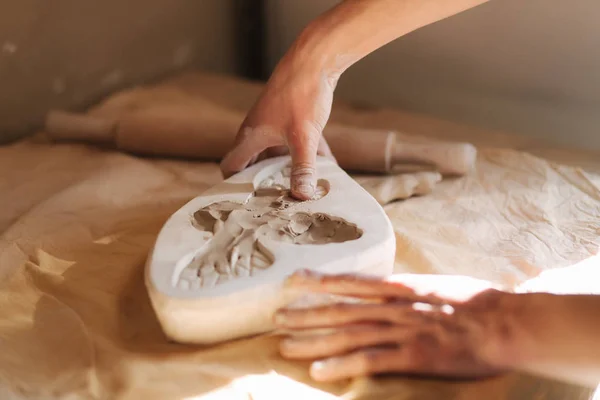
point(303, 145)
point(355, 285)
point(362, 363)
point(343, 341)
point(249, 144)
point(343, 314)
point(252, 145)
point(404, 332)
point(420, 354)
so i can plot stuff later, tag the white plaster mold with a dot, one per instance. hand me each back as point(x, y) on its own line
point(217, 268)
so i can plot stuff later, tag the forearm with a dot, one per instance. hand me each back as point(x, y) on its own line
point(355, 28)
point(559, 337)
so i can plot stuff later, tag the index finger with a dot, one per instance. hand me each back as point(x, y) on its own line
point(251, 143)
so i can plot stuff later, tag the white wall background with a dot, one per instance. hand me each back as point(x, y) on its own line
point(528, 66)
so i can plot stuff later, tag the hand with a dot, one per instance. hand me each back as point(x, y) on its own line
point(289, 117)
point(296, 103)
point(437, 325)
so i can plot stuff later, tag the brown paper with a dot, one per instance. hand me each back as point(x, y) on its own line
point(76, 224)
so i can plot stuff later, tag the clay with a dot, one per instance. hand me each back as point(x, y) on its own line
point(217, 269)
point(399, 186)
point(234, 229)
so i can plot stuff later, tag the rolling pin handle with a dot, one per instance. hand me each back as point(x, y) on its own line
point(65, 126)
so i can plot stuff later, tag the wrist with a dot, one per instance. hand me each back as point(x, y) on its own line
point(556, 336)
point(534, 322)
point(316, 54)
point(514, 324)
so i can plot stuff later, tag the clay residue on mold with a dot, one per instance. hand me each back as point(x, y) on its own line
point(280, 180)
point(235, 249)
point(309, 228)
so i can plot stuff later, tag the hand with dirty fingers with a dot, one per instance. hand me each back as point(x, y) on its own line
point(416, 325)
point(291, 113)
point(289, 118)
point(440, 326)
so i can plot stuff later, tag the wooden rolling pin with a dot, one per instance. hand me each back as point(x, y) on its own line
point(207, 132)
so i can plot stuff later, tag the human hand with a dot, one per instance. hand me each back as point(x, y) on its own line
point(289, 117)
point(434, 325)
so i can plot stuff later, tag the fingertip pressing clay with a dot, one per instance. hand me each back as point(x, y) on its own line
point(217, 268)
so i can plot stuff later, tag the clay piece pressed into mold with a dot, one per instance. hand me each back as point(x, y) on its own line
point(217, 268)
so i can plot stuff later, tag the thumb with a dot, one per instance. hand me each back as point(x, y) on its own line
point(303, 145)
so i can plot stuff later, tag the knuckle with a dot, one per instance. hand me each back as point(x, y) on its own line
point(307, 130)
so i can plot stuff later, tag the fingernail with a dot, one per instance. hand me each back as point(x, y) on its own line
point(317, 366)
point(320, 369)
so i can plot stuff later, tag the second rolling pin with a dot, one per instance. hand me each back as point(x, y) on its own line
point(208, 133)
